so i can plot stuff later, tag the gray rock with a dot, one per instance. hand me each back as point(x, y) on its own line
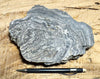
point(50, 36)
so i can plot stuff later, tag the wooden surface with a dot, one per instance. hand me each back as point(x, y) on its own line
point(87, 11)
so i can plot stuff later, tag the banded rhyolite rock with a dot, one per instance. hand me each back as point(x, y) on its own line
point(50, 36)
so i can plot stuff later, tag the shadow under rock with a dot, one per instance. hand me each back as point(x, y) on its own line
point(96, 78)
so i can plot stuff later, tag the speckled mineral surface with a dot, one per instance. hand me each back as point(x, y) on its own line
point(50, 36)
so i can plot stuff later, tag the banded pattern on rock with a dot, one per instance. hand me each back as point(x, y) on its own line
point(50, 36)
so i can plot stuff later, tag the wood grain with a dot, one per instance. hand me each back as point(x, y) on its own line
point(87, 11)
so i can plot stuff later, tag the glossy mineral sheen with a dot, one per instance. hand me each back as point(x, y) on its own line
point(50, 36)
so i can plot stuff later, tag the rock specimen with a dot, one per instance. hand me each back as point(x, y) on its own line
point(50, 36)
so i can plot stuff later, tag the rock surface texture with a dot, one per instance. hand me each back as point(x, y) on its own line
point(50, 36)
